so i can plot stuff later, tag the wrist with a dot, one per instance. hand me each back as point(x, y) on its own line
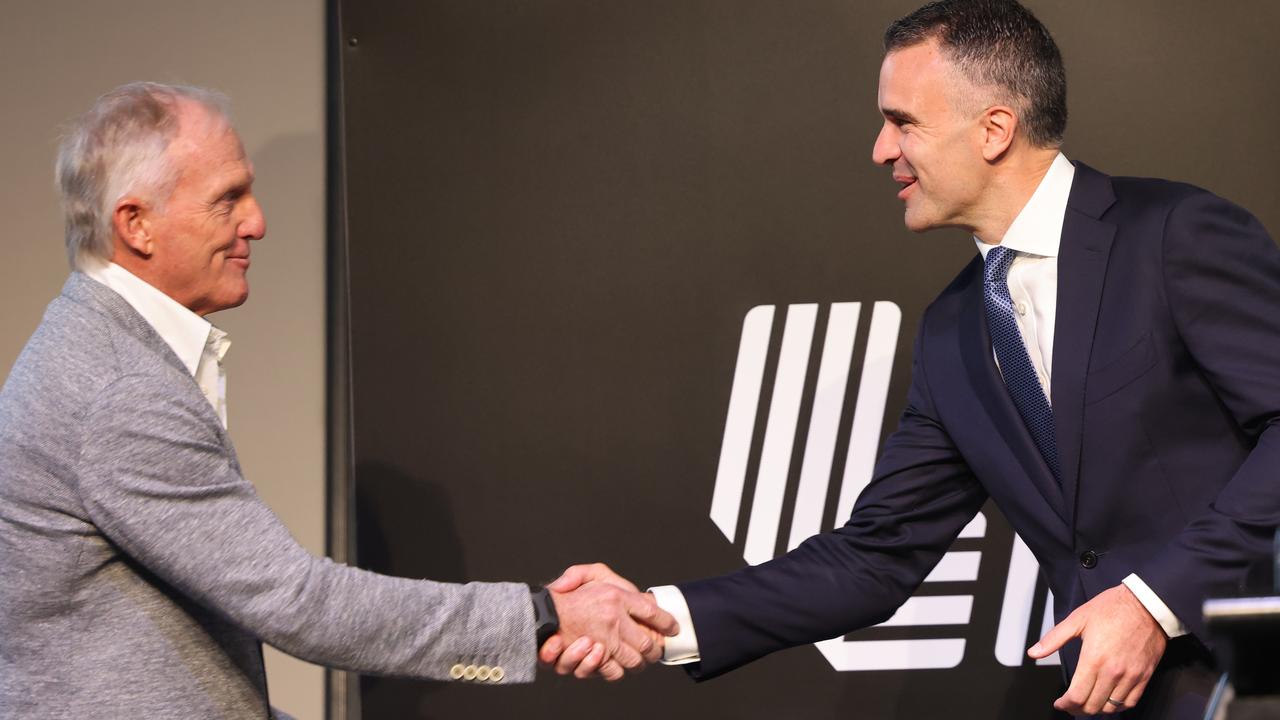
point(546, 621)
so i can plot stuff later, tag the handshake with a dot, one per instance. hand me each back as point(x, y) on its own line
point(607, 626)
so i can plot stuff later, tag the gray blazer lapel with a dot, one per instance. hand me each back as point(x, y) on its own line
point(85, 291)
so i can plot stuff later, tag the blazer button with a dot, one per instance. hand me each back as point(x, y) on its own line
point(483, 672)
point(456, 671)
point(469, 673)
point(496, 674)
point(1088, 559)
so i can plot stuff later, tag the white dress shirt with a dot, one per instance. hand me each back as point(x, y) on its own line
point(1035, 234)
point(197, 343)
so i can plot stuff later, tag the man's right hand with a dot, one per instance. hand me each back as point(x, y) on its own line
point(607, 626)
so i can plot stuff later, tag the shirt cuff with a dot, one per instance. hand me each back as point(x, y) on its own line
point(1165, 618)
point(683, 648)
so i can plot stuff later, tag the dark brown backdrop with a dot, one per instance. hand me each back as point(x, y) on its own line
point(558, 212)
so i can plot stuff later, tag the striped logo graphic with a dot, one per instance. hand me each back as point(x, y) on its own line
point(826, 417)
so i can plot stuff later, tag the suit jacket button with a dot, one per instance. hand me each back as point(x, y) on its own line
point(1088, 559)
point(496, 674)
point(457, 671)
point(483, 672)
point(469, 672)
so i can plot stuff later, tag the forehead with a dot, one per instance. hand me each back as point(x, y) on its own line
point(914, 76)
point(206, 145)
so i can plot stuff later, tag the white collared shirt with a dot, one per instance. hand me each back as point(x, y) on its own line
point(1036, 234)
point(197, 343)
point(1033, 275)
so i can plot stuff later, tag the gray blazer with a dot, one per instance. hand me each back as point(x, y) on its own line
point(139, 570)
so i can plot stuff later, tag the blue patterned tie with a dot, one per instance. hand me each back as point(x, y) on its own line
point(1015, 364)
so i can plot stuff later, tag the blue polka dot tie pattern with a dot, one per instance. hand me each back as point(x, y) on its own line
point(1015, 364)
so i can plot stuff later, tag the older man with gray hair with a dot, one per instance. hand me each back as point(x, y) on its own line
point(142, 572)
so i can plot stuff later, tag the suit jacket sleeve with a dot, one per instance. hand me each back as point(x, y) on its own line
point(921, 496)
point(158, 478)
point(1222, 283)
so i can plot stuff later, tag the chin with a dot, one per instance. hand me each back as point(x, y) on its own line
point(920, 219)
point(917, 224)
point(231, 300)
point(240, 298)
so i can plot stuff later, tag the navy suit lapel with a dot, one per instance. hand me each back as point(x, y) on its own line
point(1082, 268)
point(984, 378)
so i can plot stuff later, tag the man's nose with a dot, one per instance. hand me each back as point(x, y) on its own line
point(886, 150)
point(254, 224)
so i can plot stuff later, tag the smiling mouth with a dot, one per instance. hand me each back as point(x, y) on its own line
point(905, 183)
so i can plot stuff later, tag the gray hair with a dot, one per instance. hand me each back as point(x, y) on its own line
point(120, 147)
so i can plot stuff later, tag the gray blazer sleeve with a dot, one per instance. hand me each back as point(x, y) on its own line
point(161, 481)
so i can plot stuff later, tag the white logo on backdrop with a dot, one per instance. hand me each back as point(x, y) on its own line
point(762, 532)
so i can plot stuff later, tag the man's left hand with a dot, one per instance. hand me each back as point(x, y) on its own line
point(1121, 645)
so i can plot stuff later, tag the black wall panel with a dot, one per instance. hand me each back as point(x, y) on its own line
point(558, 213)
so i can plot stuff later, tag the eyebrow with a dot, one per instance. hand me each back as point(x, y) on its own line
point(901, 116)
point(244, 181)
point(237, 187)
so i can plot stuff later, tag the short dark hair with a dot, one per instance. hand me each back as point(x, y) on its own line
point(1000, 43)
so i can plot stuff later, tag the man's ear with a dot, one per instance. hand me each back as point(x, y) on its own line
point(131, 222)
point(999, 127)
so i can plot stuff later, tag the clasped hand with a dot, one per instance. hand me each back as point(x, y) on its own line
point(607, 626)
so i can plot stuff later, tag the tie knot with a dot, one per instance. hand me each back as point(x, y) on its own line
point(999, 258)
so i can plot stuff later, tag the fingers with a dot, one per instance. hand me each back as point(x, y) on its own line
point(584, 659)
point(627, 655)
point(1104, 689)
point(611, 671)
point(551, 649)
point(644, 609)
point(1080, 691)
point(1057, 636)
point(592, 662)
point(571, 579)
point(1127, 692)
point(1131, 700)
point(640, 640)
point(578, 575)
point(577, 654)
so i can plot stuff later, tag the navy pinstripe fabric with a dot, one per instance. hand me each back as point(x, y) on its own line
point(1015, 364)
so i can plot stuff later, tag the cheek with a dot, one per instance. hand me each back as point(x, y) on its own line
point(919, 154)
point(908, 145)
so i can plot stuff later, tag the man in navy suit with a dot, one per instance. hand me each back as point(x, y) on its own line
point(1107, 370)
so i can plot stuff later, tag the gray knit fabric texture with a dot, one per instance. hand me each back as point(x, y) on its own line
point(139, 570)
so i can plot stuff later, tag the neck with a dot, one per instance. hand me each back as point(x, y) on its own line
point(1017, 177)
point(145, 270)
point(136, 266)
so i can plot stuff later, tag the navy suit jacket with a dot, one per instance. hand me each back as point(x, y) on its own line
point(1166, 397)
